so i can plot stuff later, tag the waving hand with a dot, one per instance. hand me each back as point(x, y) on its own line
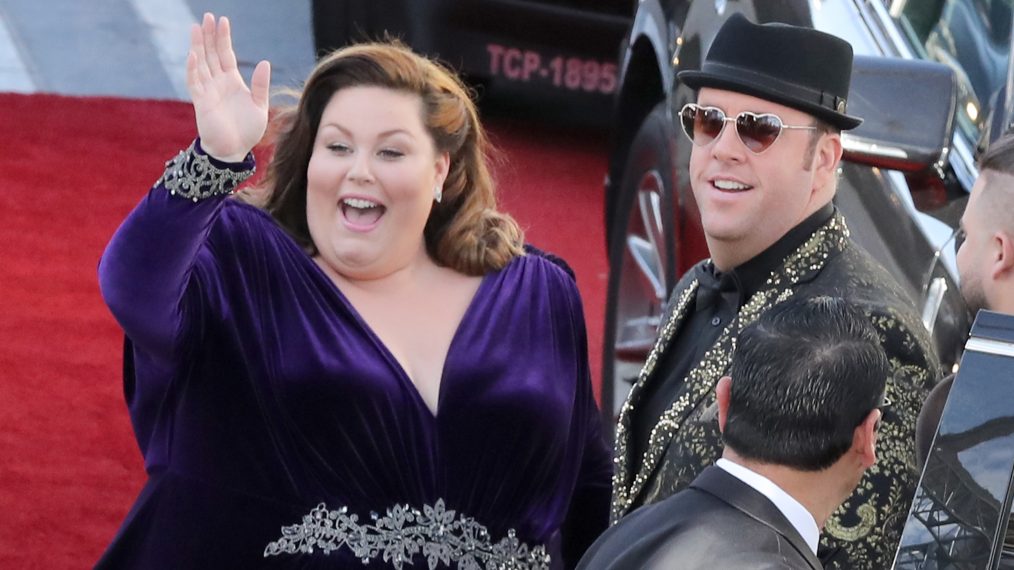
point(231, 118)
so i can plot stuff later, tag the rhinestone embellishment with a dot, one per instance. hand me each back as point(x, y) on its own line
point(441, 535)
point(191, 175)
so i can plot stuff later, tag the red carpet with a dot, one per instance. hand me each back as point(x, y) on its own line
point(70, 170)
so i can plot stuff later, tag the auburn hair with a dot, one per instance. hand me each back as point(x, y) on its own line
point(465, 231)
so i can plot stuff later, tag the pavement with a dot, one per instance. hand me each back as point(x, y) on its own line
point(138, 48)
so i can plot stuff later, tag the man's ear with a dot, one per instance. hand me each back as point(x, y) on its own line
point(722, 391)
point(1002, 266)
point(826, 158)
point(864, 438)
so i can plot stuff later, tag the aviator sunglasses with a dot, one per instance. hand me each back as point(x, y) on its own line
point(757, 132)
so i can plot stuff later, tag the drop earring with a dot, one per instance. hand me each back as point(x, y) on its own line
point(438, 193)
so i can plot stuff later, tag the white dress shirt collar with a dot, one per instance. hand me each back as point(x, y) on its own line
point(797, 514)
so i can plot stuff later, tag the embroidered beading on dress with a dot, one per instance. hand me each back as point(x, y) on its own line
point(191, 174)
point(441, 535)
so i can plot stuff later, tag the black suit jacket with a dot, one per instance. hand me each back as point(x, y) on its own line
point(863, 533)
point(718, 522)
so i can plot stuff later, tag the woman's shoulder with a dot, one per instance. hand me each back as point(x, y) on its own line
point(539, 266)
point(541, 256)
point(540, 272)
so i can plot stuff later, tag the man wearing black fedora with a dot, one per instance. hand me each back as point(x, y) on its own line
point(771, 103)
point(799, 414)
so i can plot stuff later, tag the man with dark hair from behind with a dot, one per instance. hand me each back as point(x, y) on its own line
point(798, 414)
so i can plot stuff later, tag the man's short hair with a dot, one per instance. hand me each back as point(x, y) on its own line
point(804, 376)
point(999, 157)
point(997, 199)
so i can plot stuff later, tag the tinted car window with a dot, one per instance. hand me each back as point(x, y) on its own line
point(970, 36)
point(959, 518)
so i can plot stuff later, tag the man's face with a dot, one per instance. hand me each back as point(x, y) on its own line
point(974, 254)
point(752, 200)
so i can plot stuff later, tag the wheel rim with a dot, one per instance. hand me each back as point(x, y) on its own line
point(642, 284)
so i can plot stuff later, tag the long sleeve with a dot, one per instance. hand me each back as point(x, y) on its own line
point(147, 267)
point(588, 515)
point(156, 275)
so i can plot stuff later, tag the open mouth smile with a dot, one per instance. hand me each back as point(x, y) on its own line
point(361, 214)
point(725, 185)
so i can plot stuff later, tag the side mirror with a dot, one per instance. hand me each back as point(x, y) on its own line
point(908, 110)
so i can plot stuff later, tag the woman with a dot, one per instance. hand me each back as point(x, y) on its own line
point(371, 372)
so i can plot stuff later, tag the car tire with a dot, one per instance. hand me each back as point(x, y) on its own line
point(641, 263)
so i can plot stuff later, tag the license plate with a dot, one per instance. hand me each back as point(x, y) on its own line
point(562, 72)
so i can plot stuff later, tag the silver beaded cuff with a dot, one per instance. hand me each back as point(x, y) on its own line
point(191, 174)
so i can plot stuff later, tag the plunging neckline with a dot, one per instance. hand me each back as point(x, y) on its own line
point(388, 355)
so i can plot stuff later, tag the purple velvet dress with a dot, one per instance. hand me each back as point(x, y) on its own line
point(278, 431)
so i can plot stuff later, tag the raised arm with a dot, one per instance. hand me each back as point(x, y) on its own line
point(231, 118)
point(148, 265)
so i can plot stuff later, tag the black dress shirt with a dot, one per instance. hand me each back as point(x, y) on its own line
point(719, 298)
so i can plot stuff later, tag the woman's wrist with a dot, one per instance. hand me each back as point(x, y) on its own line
point(231, 162)
point(195, 175)
point(219, 157)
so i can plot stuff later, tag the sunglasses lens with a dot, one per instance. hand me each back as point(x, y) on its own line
point(702, 124)
point(758, 132)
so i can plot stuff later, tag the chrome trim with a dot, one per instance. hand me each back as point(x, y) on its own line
point(963, 161)
point(887, 23)
point(873, 26)
point(990, 346)
point(644, 253)
point(934, 299)
point(860, 145)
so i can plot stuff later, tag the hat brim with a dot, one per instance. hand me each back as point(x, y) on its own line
point(696, 79)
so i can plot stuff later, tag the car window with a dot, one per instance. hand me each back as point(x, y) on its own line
point(960, 515)
point(970, 36)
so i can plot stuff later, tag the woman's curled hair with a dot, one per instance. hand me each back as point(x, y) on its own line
point(465, 231)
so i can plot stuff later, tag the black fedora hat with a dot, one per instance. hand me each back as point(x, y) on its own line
point(795, 66)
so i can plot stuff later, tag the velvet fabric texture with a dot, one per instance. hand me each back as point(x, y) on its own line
point(257, 392)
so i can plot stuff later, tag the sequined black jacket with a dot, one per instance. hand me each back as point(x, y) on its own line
point(865, 531)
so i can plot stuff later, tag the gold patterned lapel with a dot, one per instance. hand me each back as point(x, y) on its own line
point(681, 308)
point(805, 262)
